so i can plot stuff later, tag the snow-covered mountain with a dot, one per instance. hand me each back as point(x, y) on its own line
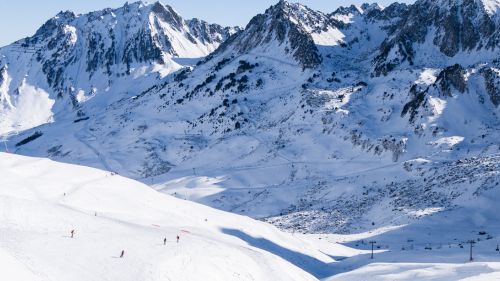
point(434, 33)
point(284, 29)
point(113, 53)
point(361, 118)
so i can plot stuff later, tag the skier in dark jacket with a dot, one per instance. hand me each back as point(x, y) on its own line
point(178, 238)
point(164, 241)
point(72, 233)
point(122, 254)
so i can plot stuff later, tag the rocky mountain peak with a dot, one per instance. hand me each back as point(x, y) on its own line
point(289, 25)
point(65, 15)
point(343, 10)
point(369, 7)
point(357, 9)
point(210, 33)
point(453, 27)
point(167, 14)
point(73, 57)
point(299, 14)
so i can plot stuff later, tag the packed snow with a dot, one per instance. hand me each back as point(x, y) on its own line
point(43, 201)
point(491, 6)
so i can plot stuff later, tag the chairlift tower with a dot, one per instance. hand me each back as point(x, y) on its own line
point(372, 242)
point(471, 242)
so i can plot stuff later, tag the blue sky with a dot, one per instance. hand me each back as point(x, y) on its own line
point(21, 18)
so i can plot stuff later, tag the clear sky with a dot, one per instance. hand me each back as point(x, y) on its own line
point(21, 18)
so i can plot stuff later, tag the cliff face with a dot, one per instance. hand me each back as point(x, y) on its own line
point(434, 28)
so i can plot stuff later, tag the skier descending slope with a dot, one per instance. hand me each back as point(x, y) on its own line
point(122, 254)
point(125, 221)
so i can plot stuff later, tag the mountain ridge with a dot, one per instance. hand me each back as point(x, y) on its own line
point(72, 58)
point(307, 120)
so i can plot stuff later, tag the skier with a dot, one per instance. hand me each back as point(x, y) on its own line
point(178, 238)
point(122, 254)
point(72, 233)
point(164, 241)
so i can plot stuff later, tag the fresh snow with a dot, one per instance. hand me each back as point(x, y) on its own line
point(31, 107)
point(13, 269)
point(491, 6)
point(42, 201)
point(330, 37)
point(423, 271)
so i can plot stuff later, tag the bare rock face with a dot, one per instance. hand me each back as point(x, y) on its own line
point(452, 76)
point(463, 27)
point(393, 11)
point(411, 30)
point(492, 84)
point(453, 26)
point(290, 25)
point(210, 33)
point(418, 98)
point(448, 79)
point(167, 15)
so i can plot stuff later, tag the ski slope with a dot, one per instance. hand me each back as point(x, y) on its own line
point(42, 201)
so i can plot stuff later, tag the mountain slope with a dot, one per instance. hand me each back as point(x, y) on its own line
point(289, 121)
point(437, 32)
point(42, 201)
point(73, 58)
point(286, 27)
